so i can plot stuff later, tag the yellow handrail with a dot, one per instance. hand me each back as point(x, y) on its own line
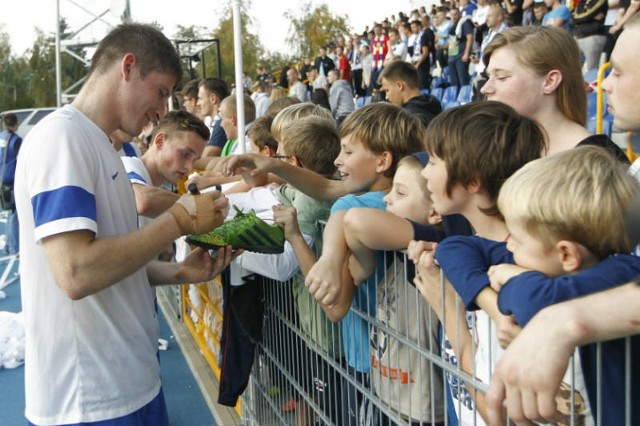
point(600, 98)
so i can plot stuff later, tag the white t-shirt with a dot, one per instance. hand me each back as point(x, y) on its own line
point(260, 199)
point(398, 51)
point(262, 102)
point(95, 358)
point(479, 15)
point(299, 90)
point(479, 324)
point(136, 171)
point(138, 174)
point(320, 82)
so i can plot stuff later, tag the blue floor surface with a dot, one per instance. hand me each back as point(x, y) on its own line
point(185, 402)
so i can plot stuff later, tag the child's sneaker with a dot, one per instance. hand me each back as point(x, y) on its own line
point(245, 231)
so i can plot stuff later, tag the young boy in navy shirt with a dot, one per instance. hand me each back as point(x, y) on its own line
point(566, 218)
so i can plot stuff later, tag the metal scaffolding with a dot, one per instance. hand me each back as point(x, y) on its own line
point(101, 17)
point(97, 23)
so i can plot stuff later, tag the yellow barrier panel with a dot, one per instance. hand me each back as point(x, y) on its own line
point(203, 318)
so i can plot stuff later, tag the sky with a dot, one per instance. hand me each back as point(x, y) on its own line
point(21, 18)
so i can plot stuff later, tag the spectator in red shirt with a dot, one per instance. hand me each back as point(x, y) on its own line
point(344, 67)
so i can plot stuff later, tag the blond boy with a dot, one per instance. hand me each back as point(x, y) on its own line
point(566, 217)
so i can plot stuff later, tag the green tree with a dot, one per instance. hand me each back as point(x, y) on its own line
point(314, 28)
point(41, 80)
point(19, 78)
point(41, 87)
point(252, 48)
point(28, 81)
point(8, 81)
point(14, 77)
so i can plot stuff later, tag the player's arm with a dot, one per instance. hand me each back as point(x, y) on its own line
point(83, 264)
point(152, 201)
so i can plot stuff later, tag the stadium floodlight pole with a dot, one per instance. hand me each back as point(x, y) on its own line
point(237, 51)
point(58, 62)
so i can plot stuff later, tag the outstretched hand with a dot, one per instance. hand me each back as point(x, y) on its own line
point(248, 163)
point(287, 218)
point(199, 266)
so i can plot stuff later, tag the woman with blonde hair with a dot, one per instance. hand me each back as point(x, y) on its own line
point(537, 71)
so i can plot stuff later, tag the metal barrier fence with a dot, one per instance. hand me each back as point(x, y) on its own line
point(301, 359)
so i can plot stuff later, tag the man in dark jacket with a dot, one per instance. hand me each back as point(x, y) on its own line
point(589, 30)
point(400, 82)
point(323, 62)
point(9, 146)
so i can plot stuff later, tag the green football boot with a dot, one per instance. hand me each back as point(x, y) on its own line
point(245, 231)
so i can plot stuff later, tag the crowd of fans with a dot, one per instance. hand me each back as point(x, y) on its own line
point(505, 206)
point(447, 39)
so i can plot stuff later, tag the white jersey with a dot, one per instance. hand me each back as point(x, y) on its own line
point(485, 356)
point(138, 174)
point(94, 358)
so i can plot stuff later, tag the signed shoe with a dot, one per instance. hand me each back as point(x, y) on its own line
point(245, 231)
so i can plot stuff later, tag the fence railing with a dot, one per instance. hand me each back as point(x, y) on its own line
point(300, 374)
point(409, 356)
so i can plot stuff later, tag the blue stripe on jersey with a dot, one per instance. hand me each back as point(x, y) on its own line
point(135, 176)
point(62, 203)
point(129, 150)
